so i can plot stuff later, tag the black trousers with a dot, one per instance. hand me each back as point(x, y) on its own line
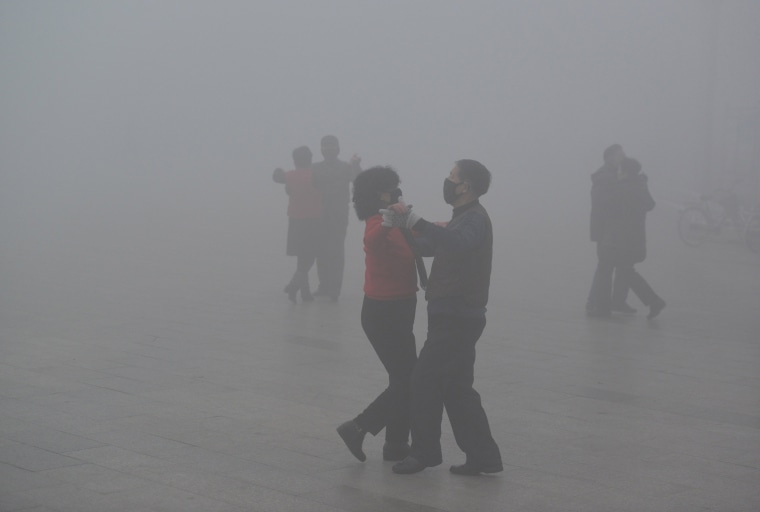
point(604, 292)
point(635, 282)
point(331, 256)
point(388, 325)
point(443, 377)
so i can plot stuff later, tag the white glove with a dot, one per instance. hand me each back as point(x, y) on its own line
point(399, 215)
point(391, 219)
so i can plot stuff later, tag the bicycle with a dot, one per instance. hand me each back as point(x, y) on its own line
point(712, 214)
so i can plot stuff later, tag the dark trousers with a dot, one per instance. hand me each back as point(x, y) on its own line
point(604, 293)
point(331, 259)
point(388, 325)
point(443, 377)
point(300, 279)
point(636, 282)
point(601, 297)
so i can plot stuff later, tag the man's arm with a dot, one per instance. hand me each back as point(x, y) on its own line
point(468, 234)
point(278, 175)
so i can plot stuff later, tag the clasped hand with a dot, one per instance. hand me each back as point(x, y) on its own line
point(399, 215)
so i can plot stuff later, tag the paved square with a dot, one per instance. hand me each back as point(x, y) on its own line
point(168, 372)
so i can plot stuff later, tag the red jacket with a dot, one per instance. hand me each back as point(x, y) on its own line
point(390, 271)
point(305, 200)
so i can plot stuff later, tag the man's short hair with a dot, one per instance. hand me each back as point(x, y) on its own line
point(329, 139)
point(367, 188)
point(302, 157)
point(475, 174)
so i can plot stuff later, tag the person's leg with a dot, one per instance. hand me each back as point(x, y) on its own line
point(295, 283)
point(601, 286)
point(388, 325)
point(620, 292)
point(338, 263)
point(434, 367)
point(305, 262)
point(463, 405)
point(645, 293)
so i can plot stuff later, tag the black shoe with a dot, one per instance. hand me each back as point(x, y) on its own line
point(395, 451)
point(408, 466)
point(656, 307)
point(624, 308)
point(291, 289)
point(468, 469)
point(353, 436)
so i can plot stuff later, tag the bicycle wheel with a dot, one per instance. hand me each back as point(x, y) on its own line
point(752, 234)
point(694, 227)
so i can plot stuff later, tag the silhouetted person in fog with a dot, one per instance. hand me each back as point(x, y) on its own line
point(388, 310)
point(304, 220)
point(599, 301)
point(627, 231)
point(333, 177)
point(457, 294)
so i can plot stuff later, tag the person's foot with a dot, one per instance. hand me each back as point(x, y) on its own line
point(656, 307)
point(306, 296)
point(624, 308)
point(469, 469)
point(408, 466)
point(395, 451)
point(319, 292)
point(353, 436)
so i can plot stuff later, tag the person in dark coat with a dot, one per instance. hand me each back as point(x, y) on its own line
point(626, 231)
point(304, 220)
point(457, 295)
point(333, 177)
point(600, 296)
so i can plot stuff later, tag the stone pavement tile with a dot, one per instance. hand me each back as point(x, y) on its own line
point(714, 441)
point(52, 440)
point(234, 493)
point(117, 458)
point(71, 498)
point(17, 501)
point(14, 478)
point(683, 501)
point(163, 498)
point(95, 403)
point(95, 478)
point(32, 458)
point(291, 481)
point(702, 473)
point(359, 500)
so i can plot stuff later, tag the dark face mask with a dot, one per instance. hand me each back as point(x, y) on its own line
point(396, 195)
point(450, 191)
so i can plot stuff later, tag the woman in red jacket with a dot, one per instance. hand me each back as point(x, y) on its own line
point(304, 220)
point(390, 303)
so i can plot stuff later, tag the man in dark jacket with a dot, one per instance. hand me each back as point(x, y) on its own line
point(603, 181)
point(626, 231)
point(457, 293)
point(333, 177)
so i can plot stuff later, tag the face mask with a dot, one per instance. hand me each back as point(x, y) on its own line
point(450, 191)
point(395, 196)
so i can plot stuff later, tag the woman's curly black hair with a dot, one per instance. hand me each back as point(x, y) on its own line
point(368, 186)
